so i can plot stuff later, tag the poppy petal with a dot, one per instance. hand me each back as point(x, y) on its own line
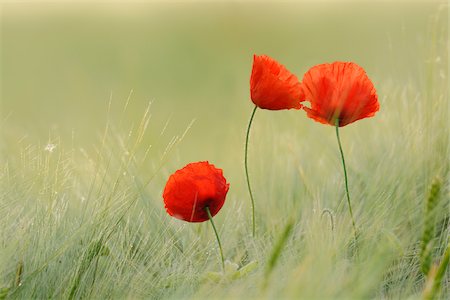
point(272, 86)
point(340, 90)
point(191, 189)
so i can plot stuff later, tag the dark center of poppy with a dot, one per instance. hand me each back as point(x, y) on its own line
point(207, 203)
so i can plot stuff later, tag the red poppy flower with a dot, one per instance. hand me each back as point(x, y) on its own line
point(272, 86)
point(340, 90)
point(191, 189)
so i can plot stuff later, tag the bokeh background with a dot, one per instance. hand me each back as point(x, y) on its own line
point(61, 63)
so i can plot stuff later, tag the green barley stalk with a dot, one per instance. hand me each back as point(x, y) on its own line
point(331, 215)
point(4, 292)
point(428, 229)
point(435, 277)
point(93, 251)
point(19, 272)
point(276, 252)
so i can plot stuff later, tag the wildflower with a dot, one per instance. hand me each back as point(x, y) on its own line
point(339, 92)
point(196, 193)
point(192, 189)
point(272, 86)
point(50, 147)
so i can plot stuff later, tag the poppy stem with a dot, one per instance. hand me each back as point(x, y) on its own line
point(346, 179)
point(217, 236)
point(246, 172)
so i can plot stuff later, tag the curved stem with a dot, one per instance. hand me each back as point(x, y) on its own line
point(327, 211)
point(346, 179)
point(246, 172)
point(217, 236)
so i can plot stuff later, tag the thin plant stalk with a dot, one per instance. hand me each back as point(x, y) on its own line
point(435, 277)
point(246, 172)
point(330, 213)
point(429, 226)
point(276, 251)
point(19, 273)
point(346, 179)
point(217, 236)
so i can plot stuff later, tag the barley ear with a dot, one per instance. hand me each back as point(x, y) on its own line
point(428, 227)
point(435, 276)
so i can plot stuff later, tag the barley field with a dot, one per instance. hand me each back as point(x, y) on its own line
point(102, 101)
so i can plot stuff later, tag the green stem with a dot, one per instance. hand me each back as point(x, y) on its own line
point(246, 172)
point(276, 251)
point(435, 277)
point(217, 236)
point(346, 179)
point(441, 273)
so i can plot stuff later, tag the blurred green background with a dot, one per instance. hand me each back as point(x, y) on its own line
point(62, 63)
